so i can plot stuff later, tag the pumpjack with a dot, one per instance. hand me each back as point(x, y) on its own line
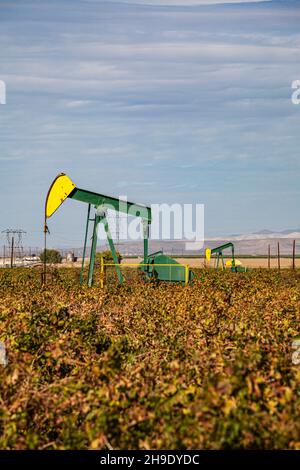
point(235, 265)
point(156, 265)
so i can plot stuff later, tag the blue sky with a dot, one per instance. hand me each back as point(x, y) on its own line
point(163, 101)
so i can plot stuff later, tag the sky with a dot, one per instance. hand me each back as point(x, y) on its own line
point(162, 101)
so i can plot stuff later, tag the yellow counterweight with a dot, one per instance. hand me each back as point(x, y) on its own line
point(208, 254)
point(60, 189)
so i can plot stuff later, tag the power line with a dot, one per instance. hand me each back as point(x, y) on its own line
point(14, 242)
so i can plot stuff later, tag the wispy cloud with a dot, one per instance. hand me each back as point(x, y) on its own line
point(185, 2)
point(169, 104)
point(77, 103)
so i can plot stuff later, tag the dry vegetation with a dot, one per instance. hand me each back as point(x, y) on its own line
point(138, 366)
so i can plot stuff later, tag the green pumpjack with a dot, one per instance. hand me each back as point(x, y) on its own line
point(155, 265)
point(218, 251)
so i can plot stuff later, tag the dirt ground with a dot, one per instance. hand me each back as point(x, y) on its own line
point(247, 262)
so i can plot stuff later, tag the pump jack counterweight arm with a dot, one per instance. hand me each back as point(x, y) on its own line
point(219, 249)
point(63, 188)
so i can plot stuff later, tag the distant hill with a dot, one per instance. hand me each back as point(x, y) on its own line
point(245, 244)
point(267, 234)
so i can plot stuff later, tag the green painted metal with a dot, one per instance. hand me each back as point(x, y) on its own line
point(172, 272)
point(112, 248)
point(156, 264)
point(93, 251)
point(85, 243)
point(219, 252)
point(130, 208)
point(146, 239)
point(102, 219)
point(219, 256)
point(241, 269)
point(221, 248)
point(102, 202)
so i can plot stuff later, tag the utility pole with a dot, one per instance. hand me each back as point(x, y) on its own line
point(294, 253)
point(12, 252)
point(14, 241)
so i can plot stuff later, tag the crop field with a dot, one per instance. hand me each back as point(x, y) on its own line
point(139, 366)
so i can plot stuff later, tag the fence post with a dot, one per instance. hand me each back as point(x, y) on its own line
point(294, 253)
point(269, 256)
point(12, 253)
point(278, 255)
point(101, 272)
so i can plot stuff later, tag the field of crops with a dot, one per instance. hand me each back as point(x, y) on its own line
point(140, 366)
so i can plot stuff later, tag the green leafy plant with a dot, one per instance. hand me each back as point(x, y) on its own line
point(51, 256)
